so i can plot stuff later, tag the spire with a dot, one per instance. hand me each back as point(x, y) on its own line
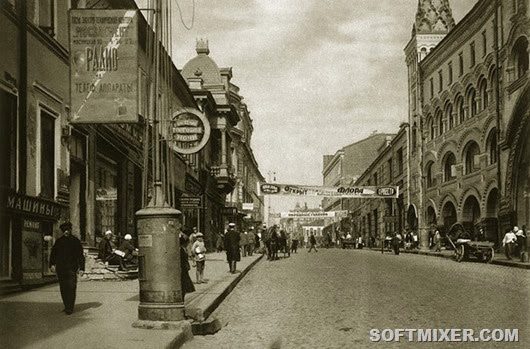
point(433, 16)
point(202, 46)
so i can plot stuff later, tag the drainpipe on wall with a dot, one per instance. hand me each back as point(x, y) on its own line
point(22, 93)
point(498, 114)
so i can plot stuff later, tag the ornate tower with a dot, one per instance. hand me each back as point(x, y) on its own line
point(433, 21)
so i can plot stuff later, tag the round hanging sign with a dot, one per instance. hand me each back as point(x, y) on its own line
point(190, 130)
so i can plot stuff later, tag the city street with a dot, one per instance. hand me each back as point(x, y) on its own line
point(331, 299)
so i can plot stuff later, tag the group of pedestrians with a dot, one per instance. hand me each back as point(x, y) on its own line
point(514, 243)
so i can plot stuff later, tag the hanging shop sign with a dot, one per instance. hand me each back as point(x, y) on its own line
point(190, 202)
point(229, 211)
point(104, 66)
point(337, 192)
point(313, 214)
point(248, 206)
point(189, 130)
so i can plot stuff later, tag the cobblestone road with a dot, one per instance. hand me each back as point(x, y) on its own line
point(331, 299)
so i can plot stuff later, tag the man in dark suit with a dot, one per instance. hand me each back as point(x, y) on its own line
point(232, 247)
point(67, 259)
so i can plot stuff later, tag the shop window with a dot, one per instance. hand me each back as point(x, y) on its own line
point(47, 154)
point(106, 195)
point(471, 158)
point(449, 162)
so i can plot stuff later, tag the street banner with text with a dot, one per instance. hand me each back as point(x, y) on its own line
point(313, 214)
point(337, 192)
point(104, 66)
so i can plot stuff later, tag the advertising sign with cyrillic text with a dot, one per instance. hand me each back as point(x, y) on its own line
point(104, 66)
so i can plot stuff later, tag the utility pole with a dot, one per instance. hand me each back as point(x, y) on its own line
point(272, 178)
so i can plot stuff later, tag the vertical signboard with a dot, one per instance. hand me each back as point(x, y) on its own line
point(31, 251)
point(104, 66)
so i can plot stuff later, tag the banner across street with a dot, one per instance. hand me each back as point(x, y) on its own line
point(338, 192)
point(309, 214)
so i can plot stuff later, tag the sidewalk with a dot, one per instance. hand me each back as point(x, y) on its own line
point(498, 258)
point(105, 311)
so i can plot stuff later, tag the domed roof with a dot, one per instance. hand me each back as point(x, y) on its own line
point(203, 66)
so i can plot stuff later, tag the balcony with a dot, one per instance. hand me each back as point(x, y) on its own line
point(226, 180)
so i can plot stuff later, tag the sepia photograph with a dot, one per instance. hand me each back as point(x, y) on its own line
point(264, 174)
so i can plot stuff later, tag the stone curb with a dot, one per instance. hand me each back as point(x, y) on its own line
point(211, 325)
point(441, 255)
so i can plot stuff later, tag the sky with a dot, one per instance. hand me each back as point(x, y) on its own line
point(316, 75)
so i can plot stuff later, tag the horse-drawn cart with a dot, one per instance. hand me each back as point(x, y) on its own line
point(464, 247)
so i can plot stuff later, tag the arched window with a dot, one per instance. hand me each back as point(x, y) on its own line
point(491, 146)
point(440, 122)
point(460, 109)
point(449, 162)
point(520, 55)
point(483, 91)
point(431, 180)
point(449, 116)
point(430, 127)
point(472, 101)
point(471, 153)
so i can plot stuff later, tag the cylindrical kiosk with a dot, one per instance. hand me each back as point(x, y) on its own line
point(159, 264)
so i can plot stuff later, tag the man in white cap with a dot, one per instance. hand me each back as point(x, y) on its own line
point(232, 247)
point(128, 249)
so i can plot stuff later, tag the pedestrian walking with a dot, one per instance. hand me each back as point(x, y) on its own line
point(232, 247)
point(274, 242)
point(522, 235)
point(199, 253)
point(251, 237)
point(294, 242)
point(437, 241)
point(67, 259)
point(509, 241)
point(415, 240)
point(312, 242)
point(243, 242)
point(396, 242)
point(185, 280)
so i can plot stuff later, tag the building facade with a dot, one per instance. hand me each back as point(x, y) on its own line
point(344, 168)
point(234, 165)
point(96, 176)
point(468, 112)
point(373, 219)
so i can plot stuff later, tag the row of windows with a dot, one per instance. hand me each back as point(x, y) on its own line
point(388, 170)
point(465, 108)
point(472, 62)
point(470, 159)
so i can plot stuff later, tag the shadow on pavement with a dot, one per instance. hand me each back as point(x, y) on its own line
point(25, 323)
